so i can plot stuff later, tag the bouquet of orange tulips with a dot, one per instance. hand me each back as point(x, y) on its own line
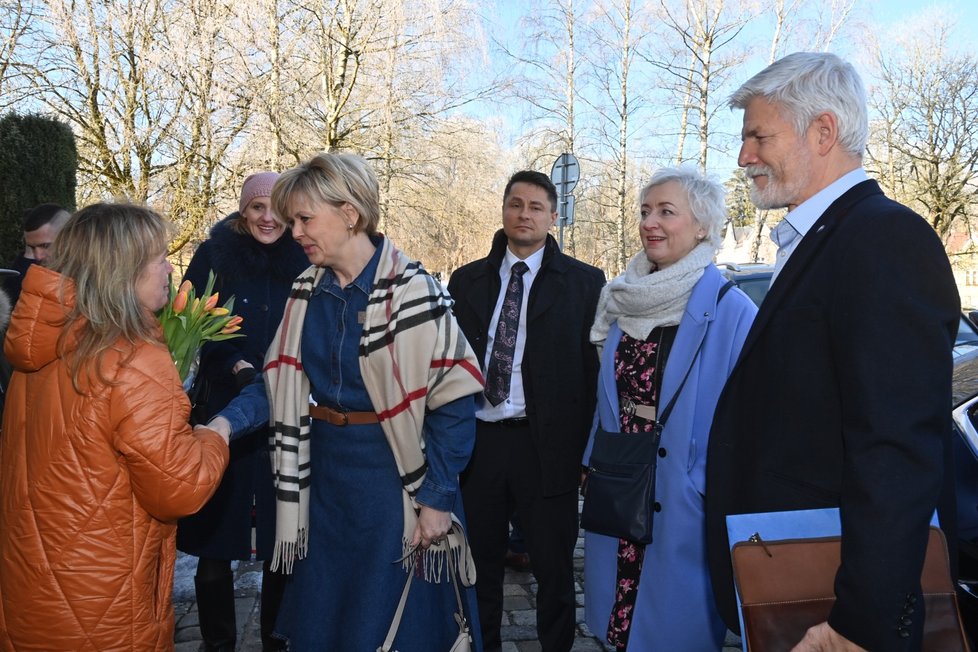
point(188, 321)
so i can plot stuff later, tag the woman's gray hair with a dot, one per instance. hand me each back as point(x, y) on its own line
point(705, 196)
point(805, 84)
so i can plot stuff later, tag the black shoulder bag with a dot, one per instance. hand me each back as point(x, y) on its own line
point(619, 492)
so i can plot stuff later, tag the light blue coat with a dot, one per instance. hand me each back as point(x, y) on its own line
point(675, 609)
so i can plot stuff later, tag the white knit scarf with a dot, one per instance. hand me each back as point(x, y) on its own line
point(413, 357)
point(640, 300)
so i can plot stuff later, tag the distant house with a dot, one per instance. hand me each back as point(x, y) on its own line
point(743, 244)
point(962, 249)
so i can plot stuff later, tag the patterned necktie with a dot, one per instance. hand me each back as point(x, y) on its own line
point(500, 370)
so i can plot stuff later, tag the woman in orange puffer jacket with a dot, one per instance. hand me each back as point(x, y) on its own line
point(97, 460)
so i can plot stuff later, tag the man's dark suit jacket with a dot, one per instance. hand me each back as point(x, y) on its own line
point(560, 365)
point(13, 283)
point(841, 398)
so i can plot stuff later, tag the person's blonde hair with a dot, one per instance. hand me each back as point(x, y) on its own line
point(103, 249)
point(335, 179)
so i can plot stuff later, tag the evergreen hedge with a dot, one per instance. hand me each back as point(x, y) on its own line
point(38, 161)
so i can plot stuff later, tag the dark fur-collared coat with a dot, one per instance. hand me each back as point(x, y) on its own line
point(259, 276)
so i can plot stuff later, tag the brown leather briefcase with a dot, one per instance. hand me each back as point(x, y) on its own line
point(786, 587)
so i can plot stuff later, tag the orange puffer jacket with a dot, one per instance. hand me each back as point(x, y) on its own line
point(91, 487)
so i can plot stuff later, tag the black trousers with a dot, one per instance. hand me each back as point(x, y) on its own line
point(503, 476)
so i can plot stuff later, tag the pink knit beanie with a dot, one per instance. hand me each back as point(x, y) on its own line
point(256, 185)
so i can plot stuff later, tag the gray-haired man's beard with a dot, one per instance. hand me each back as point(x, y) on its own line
point(776, 193)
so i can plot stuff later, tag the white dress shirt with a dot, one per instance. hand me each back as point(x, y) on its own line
point(789, 231)
point(515, 404)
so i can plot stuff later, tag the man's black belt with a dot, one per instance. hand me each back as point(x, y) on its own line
point(518, 422)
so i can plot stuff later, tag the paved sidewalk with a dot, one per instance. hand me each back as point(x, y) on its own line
point(519, 616)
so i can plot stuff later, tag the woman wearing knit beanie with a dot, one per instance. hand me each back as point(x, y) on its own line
point(255, 259)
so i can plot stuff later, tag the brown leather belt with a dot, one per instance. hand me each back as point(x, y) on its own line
point(338, 418)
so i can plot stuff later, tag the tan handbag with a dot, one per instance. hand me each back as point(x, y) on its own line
point(463, 642)
point(786, 586)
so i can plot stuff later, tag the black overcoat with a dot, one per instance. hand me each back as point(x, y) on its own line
point(560, 365)
point(841, 398)
point(259, 276)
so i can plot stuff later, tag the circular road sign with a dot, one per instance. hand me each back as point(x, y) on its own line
point(565, 173)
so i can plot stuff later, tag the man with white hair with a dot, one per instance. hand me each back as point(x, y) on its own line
point(841, 395)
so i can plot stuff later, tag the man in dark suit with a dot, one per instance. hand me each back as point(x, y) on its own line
point(841, 395)
point(527, 310)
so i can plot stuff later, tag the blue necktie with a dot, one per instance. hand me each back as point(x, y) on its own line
point(500, 370)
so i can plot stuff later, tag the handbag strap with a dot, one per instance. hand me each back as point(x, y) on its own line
point(399, 613)
point(661, 421)
point(392, 631)
point(460, 615)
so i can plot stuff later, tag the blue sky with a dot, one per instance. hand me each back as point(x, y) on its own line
point(869, 17)
point(895, 11)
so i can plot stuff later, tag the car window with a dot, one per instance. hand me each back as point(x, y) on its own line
point(967, 339)
point(966, 332)
point(755, 288)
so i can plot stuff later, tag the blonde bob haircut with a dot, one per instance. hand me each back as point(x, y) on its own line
point(334, 179)
point(103, 250)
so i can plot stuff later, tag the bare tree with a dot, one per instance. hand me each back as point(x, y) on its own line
point(447, 216)
point(419, 87)
point(546, 85)
point(707, 31)
point(808, 24)
point(546, 77)
point(17, 19)
point(612, 30)
point(215, 112)
point(99, 67)
point(925, 143)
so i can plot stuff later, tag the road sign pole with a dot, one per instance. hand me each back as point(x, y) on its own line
point(564, 175)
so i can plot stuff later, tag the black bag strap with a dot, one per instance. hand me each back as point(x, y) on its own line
point(723, 290)
point(661, 421)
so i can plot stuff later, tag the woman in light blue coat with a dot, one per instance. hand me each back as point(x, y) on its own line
point(668, 305)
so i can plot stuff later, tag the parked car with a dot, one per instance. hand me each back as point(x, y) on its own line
point(755, 279)
point(964, 393)
point(967, 339)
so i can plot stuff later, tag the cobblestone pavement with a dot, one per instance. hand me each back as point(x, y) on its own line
point(519, 616)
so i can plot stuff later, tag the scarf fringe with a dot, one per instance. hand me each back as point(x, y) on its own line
point(432, 564)
point(286, 552)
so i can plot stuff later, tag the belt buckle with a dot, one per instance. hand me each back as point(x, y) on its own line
point(627, 407)
point(344, 417)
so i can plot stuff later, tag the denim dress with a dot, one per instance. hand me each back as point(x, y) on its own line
point(345, 591)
